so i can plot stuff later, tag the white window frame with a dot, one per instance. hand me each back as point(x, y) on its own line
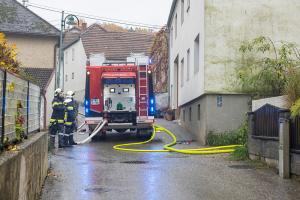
point(197, 54)
point(66, 57)
point(182, 11)
point(176, 25)
point(182, 72)
point(188, 5)
point(171, 36)
point(73, 54)
point(188, 64)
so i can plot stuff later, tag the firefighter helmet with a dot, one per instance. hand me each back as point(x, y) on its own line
point(58, 91)
point(70, 94)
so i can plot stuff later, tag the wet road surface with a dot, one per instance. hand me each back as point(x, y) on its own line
point(95, 171)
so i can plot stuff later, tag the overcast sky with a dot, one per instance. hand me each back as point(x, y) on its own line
point(143, 11)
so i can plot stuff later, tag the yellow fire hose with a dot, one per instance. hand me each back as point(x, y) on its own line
point(169, 148)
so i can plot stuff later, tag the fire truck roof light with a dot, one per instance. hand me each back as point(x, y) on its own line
point(152, 101)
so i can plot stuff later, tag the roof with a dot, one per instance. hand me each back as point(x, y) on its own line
point(41, 75)
point(15, 18)
point(171, 12)
point(115, 45)
point(71, 36)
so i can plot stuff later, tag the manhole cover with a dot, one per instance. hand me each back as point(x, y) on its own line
point(135, 162)
point(177, 156)
point(97, 190)
point(241, 167)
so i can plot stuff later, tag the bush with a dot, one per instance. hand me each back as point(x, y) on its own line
point(240, 153)
point(238, 136)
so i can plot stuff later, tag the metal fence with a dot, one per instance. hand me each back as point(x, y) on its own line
point(19, 107)
point(295, 133)
point(266, 122)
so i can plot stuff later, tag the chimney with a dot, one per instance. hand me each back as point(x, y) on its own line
point(84, 26)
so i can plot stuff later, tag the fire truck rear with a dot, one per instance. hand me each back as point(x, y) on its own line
point(122, 94)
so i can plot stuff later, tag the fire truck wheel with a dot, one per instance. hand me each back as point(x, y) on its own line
point(122, 130)
point(144, 133)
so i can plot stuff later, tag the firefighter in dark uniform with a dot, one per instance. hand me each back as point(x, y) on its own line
point(70, 118)
point(57, 119)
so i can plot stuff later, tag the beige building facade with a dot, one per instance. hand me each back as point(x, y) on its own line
point(38, 52)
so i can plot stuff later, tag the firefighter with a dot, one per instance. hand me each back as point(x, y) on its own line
point(70, 118)
point(57, 119)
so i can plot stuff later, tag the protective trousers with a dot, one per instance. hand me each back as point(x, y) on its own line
point(56, 127)
point(69, 133)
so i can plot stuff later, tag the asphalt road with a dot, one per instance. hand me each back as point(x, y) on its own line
point(95, 171)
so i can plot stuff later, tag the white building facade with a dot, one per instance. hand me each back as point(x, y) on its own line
point(186, 56)
point(205, 37)
point(75, 61)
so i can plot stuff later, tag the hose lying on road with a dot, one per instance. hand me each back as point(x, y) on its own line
point(169, 147)
point(97, 129)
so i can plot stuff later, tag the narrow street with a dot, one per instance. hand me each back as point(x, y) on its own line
point(95, 171)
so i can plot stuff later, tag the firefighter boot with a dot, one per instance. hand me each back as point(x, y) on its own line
point(66, 140)
point(61, 143)
point(71, 140)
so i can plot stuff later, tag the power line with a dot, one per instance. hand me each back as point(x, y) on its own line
point(87, 16)
point(103, 18)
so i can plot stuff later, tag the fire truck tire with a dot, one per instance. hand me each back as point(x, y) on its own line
point(122, 130)
point(144, 133)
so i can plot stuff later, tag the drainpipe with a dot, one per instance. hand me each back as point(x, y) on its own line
point(55, 66)
point(169, 53)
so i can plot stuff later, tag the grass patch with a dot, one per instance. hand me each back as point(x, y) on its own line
point(240, 153)
point(238, 136)
point(235, 137)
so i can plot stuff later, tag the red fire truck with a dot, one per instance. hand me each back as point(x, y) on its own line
point(122, 94)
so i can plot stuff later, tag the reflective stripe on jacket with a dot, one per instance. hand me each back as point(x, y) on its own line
point(58, 109)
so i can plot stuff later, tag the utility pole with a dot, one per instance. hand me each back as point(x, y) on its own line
point(60, 70)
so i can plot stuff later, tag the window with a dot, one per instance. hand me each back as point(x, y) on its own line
point(171, 36)
point(199, 109)
point(112, 90)
point(188, 65)
point(188, 5)
point(73, 75)
point(73, 54)
point(182, 11)
point(66, 78)
point(219, 101)
point(190, 114)
point(196, 54)
point(175, 26)
point(66, 57)
point(182, 73)
point(183, 115)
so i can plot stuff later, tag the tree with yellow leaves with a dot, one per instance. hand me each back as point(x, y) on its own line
point(8, 55)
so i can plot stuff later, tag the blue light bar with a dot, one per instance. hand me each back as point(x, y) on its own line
point(152, 101)
point(87, 110)
point(152, 109)
point(86, 102)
